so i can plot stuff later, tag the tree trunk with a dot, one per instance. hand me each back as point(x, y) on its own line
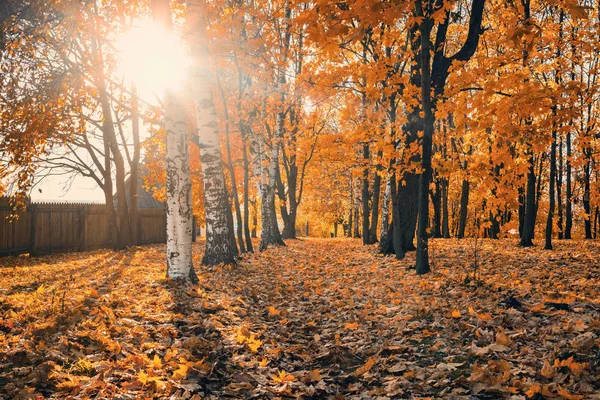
point(179, 192)
point(559, 181)
point(569, 194)
point(436, 199)
point(586, 194)
point(422, 265)
point(249, 246)
point(445, 216)
point(375, 205)
point(110, 138)
point(134, 165)
point(464, 204)
point(270, 232)
point(538, 191)
point(596, 219)
point(529, 218)
point(549, 222)
point(231, 169)
point(521, 210)
point(351, 211)
point(385, 211)
point(356, 215)
point(219, 234)
point(365, 197)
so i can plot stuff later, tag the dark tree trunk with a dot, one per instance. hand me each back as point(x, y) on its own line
point(405, 201)
point(559, 181)
point(494, 228)
point(247, 236)
point(375, 205)
point(231, 170)
point(586, 194)
point(596, 218)
point(405, 213)
point(288, 217)
point(356, 234)
point(549, 222)
point(351, 211)
point(270, 230)
point(365, 196)
point(445, 216)
point(529, 220)
point(464, 206)
point(436, 199)
point(569, 194)
point(521, 210)
point(422, 264)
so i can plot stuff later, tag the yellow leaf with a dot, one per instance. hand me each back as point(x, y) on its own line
point(472, 311)
point(365, 368)
point(283, 377)
point(181, 372)
point(156, 363)
point(456, 314)
point(143, 377)
point(253, 343)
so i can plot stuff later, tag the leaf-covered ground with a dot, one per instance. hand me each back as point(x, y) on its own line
point(317, 319)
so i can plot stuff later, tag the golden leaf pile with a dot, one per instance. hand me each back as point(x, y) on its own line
point(319, 318)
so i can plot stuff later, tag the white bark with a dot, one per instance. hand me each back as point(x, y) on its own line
point(179, 192)
point(270, 230)
point(385, 209)
point(219, 246)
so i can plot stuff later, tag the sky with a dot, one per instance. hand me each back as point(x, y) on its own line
point(81, 190)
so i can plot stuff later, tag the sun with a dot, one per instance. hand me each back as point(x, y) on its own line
point(153, 58)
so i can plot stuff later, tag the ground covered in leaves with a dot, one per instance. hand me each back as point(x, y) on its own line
point(317, 319)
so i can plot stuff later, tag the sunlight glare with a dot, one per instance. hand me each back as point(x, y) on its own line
point(153, 58)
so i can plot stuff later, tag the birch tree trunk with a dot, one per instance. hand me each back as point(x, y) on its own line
point(179, 192)
point(385, 211)
point(179, 183)
point(270, 230)
point(219, 246)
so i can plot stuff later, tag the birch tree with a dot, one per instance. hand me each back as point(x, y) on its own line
point(220, 241)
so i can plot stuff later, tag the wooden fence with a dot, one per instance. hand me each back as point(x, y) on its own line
point(46, 228)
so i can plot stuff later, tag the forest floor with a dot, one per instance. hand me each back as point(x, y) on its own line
point(317, 319)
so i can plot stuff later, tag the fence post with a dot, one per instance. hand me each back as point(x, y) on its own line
point(140, 228)
point(81, 214)
point(33, 230)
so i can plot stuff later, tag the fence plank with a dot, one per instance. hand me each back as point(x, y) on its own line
point(46, 228)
